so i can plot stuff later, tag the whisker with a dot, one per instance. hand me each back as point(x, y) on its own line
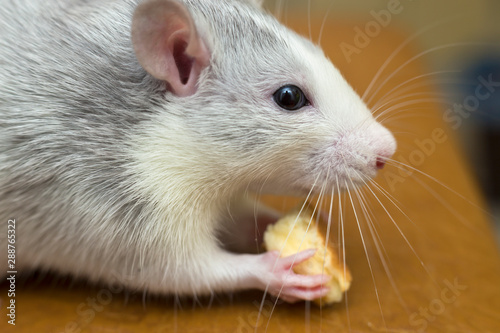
point(308, 316)
point(301, 242)
point(371, 219)
point(401, 165)
point(401, 96)
point(327, 237)
point(402, 114)
point(369, 215)
point(382, 252)
point(324, 22)
point(177, 305)
point(421, 54)
point(341, 226)
point(407, 92)
point(448, 206)
point(278, 9)
point(402, 233)
point(309, 26)
point(411, 112)
point(281, 251)
point(393, 201)
point(398, 49)
point(259, 194)
point(366, 252)
point(422, 84)
point(411, 102)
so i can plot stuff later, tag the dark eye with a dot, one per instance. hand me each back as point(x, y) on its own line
point(290, 98)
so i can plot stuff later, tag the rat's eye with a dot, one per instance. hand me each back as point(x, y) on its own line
point(290, 98)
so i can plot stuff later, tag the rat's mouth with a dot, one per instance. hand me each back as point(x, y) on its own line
point(321, 178)
point(330, 186)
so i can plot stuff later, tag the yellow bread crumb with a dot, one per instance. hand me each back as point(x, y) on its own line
point(306, 235)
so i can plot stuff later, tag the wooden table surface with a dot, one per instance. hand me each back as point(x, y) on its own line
point(441, 271)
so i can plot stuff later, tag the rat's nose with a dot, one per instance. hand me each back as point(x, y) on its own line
point(384, 148)
point(383, 156)
point(380, 162)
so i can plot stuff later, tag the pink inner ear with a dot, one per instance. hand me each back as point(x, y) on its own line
point(183, 62)
point(168, 46)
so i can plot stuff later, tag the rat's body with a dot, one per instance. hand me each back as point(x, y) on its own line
point(119, 173)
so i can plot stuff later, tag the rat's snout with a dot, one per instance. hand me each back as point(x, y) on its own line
point(358, 154)
point(383, 145)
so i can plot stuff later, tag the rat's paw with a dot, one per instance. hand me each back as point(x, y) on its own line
point(281, 281)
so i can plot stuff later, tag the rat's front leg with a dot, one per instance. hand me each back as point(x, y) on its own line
point(198, 266)
point(192, 263)
point(270, 273)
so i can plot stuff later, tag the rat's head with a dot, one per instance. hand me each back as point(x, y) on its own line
point(264, 105)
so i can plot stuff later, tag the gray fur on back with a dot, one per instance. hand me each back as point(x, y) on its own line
point(72, 94)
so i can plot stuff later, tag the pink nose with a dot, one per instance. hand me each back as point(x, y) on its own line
point(380, 162)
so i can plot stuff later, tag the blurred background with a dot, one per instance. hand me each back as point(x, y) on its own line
point(465, 38)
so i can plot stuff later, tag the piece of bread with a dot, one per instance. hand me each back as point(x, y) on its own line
point(303, 233)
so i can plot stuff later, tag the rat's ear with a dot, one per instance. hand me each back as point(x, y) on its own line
point(168, 46)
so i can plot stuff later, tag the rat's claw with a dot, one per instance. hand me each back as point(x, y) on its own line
point(297, 258)
point(307, 281)
point(295, 295)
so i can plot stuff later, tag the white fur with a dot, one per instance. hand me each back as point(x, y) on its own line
point(112, 177)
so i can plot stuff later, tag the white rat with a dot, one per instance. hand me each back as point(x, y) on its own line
point(129, 128)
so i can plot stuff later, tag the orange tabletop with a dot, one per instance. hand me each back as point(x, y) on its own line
point(428, 263)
